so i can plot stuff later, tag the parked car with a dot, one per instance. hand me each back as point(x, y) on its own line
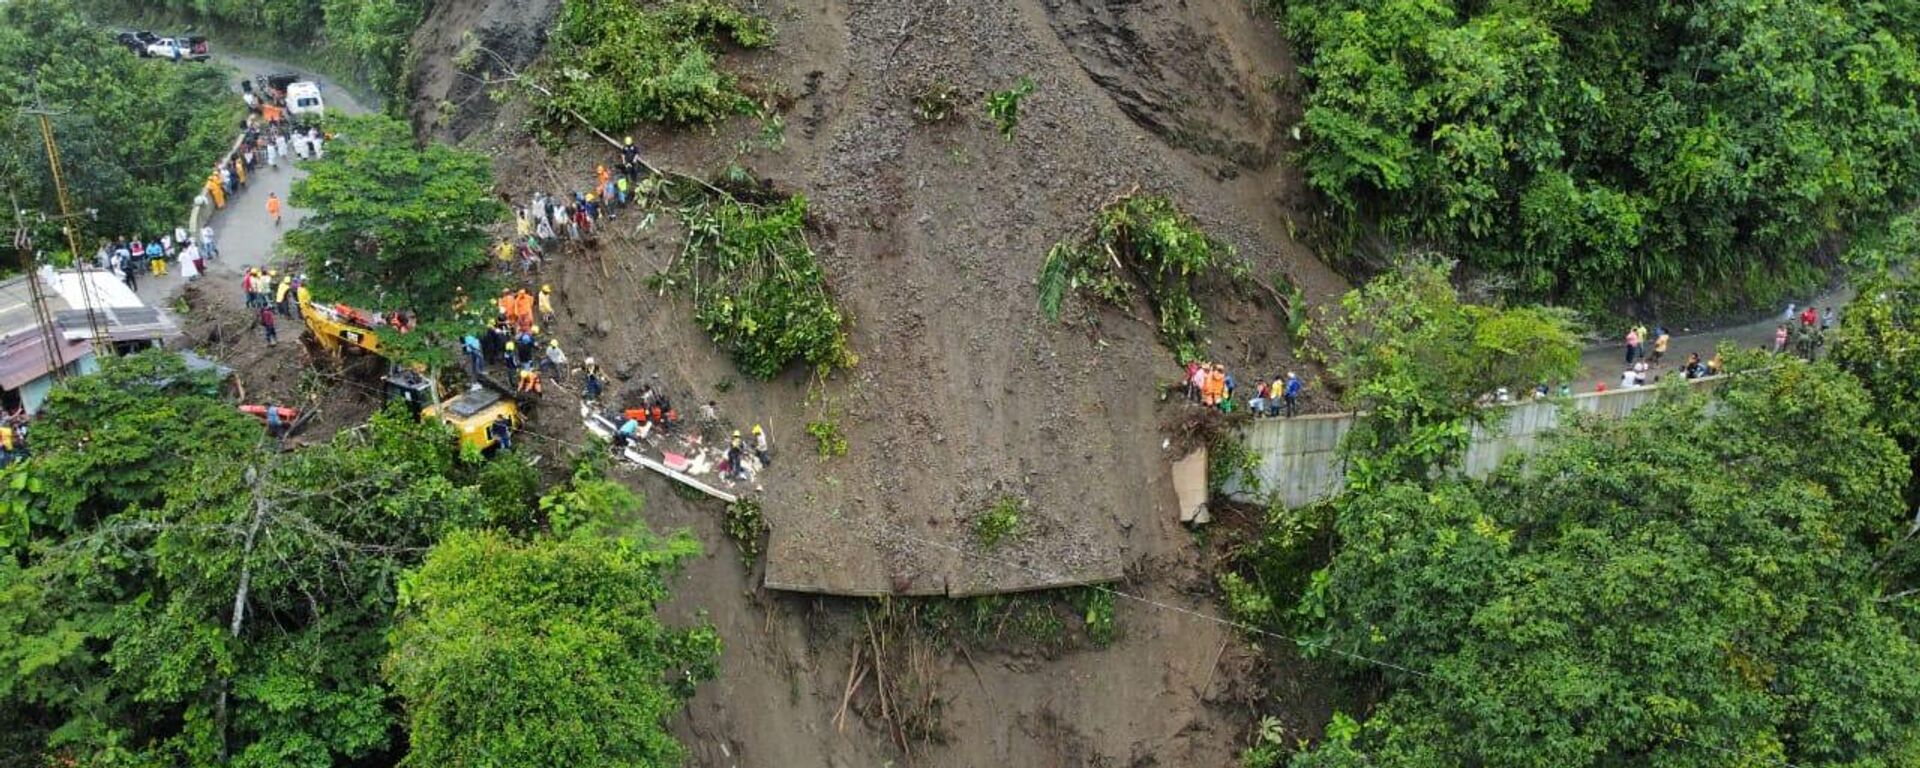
point(185, 48)
point(136, 41)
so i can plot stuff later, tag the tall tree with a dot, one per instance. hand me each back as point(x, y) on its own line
point(545, 653)
point(172, 591)
point(396, 226)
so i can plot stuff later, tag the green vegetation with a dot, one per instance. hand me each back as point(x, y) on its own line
point(175, 591)
point(746, 526)
point(1879, 343)
point(545, 652)
point(125, 155)
point(1229, 459)
point(1417, 359)
point(935, 102)
point(757, 285)
point(396, 226)
point(1004, 106)
point(1141, 243)
point(368, 36)
point(998, 522)
point(1691, 153)
point(1630, 600)
point(619, 62)
point(1098, 617)
point(828, 441)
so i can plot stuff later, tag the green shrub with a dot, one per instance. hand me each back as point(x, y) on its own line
point(619, 62)
point(1098, 615)
point(1143, 241)
point(998, 522)
point(1004, 106)
point(829, 441)
point(745, 526)
point(757, 289)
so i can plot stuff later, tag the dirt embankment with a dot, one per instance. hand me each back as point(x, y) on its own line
point(931, 236)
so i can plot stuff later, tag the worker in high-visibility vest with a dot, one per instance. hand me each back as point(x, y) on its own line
point(218, 192)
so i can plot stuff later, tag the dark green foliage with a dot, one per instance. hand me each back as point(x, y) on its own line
point(147, 505)
point(136, 137)
point(1682, 587)
point(545, 653)
point(746, 526)
point(1417, 359)
point(1595, 150)
point(369, 36)
point(396, 226)
point(620, 62)
point(1004, 106)
point(1141, 242)
point(757, 286)
point(1879, 343)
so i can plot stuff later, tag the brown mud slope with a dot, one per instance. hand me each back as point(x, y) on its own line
point(964, 393)
point(931, 236)
point(451, 103)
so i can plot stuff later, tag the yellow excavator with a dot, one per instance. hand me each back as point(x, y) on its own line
point(484, 415)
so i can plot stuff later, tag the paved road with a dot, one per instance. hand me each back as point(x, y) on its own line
point(1604, 363)
point(245, 235)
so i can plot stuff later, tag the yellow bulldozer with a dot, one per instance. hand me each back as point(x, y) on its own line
point(484, 415)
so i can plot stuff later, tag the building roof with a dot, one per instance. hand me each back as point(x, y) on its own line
point(23, 355)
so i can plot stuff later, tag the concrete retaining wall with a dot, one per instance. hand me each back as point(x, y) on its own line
point(1300, 457)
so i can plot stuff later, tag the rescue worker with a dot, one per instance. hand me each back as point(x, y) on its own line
point(628, 432)
point(300, 294)
point(525, 347)
point(529, 380)
point(546, 305)
point(246, 287)
point(507, 355)
point(556, 360)
point(280, 294)
point(502, 432)
point(595, 381)
point(266, 326)
point(760, 447)
point(471, 347)
point(630, 159)
point(273, 208)
point(736, 458)
point(523, 310)
point(506, 302)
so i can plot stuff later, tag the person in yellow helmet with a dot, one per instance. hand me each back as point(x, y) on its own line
point(761, 449)
point(546, 304)
point(280, 295)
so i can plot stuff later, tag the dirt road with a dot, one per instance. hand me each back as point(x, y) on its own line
point(243, 232)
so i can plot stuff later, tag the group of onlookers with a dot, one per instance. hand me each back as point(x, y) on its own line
point(1210, 384)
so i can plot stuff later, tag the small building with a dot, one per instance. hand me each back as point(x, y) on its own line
point(28, 362)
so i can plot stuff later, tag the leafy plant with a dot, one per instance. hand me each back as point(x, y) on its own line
point(1141, 242)
point(757, 286)
point(829, 443)
point(935, 102)
point(1502, 134)
point(746, 526)
point(1098, 615)
point(997, 522)
point(1004, 106)
point(619, 62)
point(1230, 460)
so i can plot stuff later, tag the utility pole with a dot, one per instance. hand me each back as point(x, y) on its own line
point(96, 326)
point(49, 335)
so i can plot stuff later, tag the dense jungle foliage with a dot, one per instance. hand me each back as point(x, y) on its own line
point(176, 591)
point(1693, 154)
point(618, 63)
point(136, 136)
point(1723, 577)
point(369, 36)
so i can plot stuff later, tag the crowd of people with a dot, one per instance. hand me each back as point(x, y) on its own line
point(1210, 384)
point(547, 221)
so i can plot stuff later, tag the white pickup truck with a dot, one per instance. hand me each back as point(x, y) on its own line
point(185, 48)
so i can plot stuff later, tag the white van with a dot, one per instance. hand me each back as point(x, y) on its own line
point(303, 100)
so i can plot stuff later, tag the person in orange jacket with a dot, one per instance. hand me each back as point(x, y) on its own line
point(523, 309)
point(273, 208)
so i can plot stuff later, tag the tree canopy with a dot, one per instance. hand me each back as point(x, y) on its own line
point(1627, 599)
point(1596, 150)
point(1418, 359)
point(545, 653)
point(395, 225)
point(173, 591)
point(136, 137)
